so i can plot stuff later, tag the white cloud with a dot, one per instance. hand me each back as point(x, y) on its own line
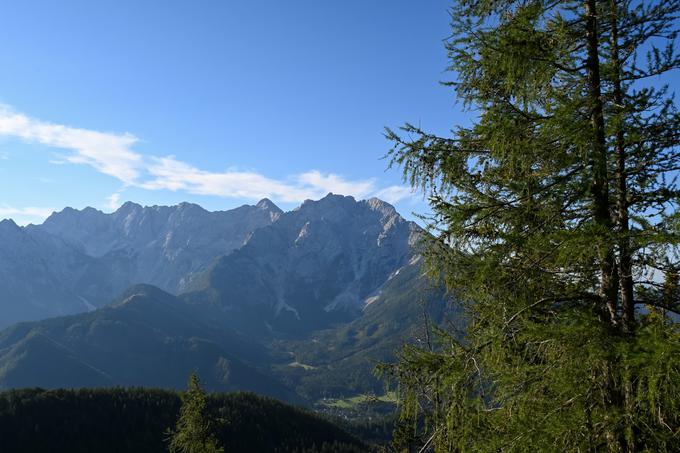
point(395, 194)
point(113, 201)
point(324, 183)
point(108, 153)
point(25, 215)
point(112, 154)
point(172, 174)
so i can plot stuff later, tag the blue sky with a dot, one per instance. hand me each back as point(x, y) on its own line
point(215, 102)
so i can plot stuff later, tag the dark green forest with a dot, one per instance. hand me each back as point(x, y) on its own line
point(116, 420)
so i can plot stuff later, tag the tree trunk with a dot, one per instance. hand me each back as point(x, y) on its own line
point(600, 183)
point(625, 261)
point(601, 210)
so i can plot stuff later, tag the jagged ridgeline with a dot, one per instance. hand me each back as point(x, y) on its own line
point(298, 305)
point(116, 420)
point(80, 260)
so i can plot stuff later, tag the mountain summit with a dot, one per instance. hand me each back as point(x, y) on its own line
point(314, 266)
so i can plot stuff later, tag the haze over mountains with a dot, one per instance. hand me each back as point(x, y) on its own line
point(79, 260)
point(288, 304)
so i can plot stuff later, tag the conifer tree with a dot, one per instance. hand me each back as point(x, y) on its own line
point(194, 430)
point(555, 226)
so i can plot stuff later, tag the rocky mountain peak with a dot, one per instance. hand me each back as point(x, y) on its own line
point(386, 209)
point(267, 204)
point(332, 208)
point(71, 223)
point(185, 210)
point(127, 208)
point(9, 226)
point(185, 205)
point(315, 264)
point(328, 201)
point(8, 223)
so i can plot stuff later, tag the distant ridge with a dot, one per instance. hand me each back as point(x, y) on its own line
point(80, 259)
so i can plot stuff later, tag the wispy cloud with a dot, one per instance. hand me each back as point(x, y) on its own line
point(113, 155)
point(24, 215)
point(324, 183)
point(107, 152)
point(113, 201)
point(172, 174)
point(394, 194)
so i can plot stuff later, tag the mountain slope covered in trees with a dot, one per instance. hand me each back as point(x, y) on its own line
point(117, 420)
point(146, 338)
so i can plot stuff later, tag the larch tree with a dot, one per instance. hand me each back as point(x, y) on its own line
point(194, 431)
point(555, 226)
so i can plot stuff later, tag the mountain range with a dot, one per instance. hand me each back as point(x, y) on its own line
point(80, 260)
point(298, 305)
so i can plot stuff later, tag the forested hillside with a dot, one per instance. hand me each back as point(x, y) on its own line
point(119, 420)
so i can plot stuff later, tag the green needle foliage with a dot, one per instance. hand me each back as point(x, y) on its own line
point(555, 226)
point(194, 431)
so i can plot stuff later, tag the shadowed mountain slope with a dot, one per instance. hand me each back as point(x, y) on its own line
point(146, 338)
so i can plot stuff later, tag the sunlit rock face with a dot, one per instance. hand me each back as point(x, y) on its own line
point(314, 266)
